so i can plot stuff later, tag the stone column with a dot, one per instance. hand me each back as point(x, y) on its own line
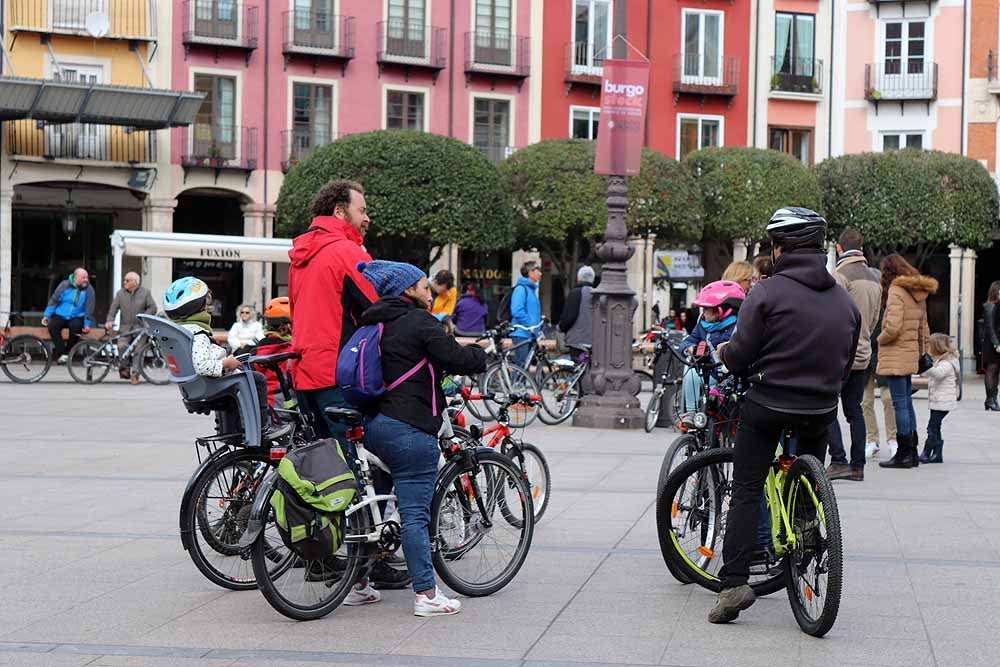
point(962, 324)
point(158, 272)
point(640, 273)
point(448, 261)
point(740, 250)
point(6, 251)
point(831, 256)
point(258, 221)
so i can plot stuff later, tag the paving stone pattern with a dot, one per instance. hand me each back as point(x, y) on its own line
point(94, 573)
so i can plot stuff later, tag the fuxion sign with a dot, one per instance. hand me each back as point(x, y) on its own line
point(225, 253)
point(623, 115)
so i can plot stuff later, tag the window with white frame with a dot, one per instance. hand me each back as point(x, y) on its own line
point(77, 140)
point(697, 132)
point(312, 118)
point(404, 110)
point(591, 34)
point(701, 48)
point(894, 141)
point(491, 127)
point(905, 43)
point(583, 122)
point(493, 32)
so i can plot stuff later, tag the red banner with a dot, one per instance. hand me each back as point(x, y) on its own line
point(624, 92)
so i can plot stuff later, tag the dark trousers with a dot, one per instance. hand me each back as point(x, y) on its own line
point(56, 326)
point(934, 427)
point(851, 395)
point(759, 431)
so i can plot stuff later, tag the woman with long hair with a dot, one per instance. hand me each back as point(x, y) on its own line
point(904, 338)
point(991, 345)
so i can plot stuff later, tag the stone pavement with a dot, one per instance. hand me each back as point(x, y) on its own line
point(93, 572)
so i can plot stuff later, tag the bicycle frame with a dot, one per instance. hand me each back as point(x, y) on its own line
point(782, 535)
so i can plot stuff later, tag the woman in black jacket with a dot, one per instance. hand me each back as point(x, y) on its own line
point(991, 344)
point(404, 434)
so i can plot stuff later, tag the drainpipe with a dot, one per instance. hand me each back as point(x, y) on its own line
point(451, 71)
point(829, 104)
point(649, 33)
point(753, 73)
point(965, 64)
point(264, 286)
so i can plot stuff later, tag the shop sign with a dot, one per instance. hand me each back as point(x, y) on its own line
point(677, 265)
point(474, 273)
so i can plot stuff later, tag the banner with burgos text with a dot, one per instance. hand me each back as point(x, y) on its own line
point(624, 92)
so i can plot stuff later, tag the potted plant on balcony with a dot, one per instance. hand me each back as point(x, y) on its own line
point(215, 157)
point(775, 81)
point(873, 94)
point(815, 85)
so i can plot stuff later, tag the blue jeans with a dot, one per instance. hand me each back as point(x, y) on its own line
point(901, 388)
point(850, 397)
point(412, 456)
point(521, 353)
point(314, 401)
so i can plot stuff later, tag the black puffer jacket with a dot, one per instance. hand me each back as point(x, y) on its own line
point(796, 336)
point(410, 335)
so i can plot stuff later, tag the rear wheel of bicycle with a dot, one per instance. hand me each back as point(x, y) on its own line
point(154, 366)
point(645, 378)
point(516, 381)
point(25, 359)
point(692, 507)
point(653, 410)
point(536, 469)
point(815, 567)
point(301, 589)
point(476, 551)
point(560, 396)
point(90, 361)
point(218, 515)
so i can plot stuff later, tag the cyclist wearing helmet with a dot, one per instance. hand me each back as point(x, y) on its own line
point(277, 338)
point(795, 340)
point(719, 302)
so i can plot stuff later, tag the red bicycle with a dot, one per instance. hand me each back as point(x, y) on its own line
point(525, 455)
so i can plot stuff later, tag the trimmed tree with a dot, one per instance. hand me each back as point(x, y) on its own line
point(910, 200)
point(423, 191)
point(560, 203)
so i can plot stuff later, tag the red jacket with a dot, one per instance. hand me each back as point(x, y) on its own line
point(268, 346)
point(327, 295)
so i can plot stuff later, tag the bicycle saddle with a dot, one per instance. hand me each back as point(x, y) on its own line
point(345, 416)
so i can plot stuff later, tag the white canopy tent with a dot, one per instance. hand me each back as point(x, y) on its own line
point(194, 246)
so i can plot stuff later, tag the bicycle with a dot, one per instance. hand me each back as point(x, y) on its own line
point(503, 377)
point(91, 360)
point(662, 344)
point(805, 551)
point(25, 358)
point(479, 500)
point(528, 457)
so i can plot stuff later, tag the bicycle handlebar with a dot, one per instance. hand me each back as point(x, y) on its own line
point(511, 399)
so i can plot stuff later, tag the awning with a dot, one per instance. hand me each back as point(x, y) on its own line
point(63, 102)
point(200, 246)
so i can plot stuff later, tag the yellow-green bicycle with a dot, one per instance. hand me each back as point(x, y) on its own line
point(805, 554)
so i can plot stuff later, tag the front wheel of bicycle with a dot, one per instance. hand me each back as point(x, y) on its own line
point(653, 409)
point(692, 508)
point(560, 396)
point(90, 361)
point(515, 381)
point(815, 566)
point(476, 551)
point(536, 470)
point(25, 359)
point(154, 366)
point(305, 590)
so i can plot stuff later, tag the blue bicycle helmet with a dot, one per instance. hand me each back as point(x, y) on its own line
point(185, 296)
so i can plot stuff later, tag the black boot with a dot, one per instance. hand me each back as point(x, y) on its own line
point(936, 457)
point(991, 401)
point(906, 453)
point(928, 453)
point(914, 450)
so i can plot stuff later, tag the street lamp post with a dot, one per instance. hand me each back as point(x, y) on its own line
point(610, 388)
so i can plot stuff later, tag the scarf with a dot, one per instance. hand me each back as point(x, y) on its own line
point(712, 327)
point(287, 338)
point(848, 254)
point(202, 319)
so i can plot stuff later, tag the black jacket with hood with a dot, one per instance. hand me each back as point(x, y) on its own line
point(796, 336)
point(411, 334)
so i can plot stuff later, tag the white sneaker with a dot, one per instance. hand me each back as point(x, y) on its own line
point(439, 605)
point(893, 446)
point(362, 593)
point(62, 359)
point(871, 450)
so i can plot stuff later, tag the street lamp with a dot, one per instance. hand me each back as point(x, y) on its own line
point(70, 217)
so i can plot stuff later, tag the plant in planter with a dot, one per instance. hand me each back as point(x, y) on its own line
point(815, 85)
point(775, 81)
point(874, 94)
point(215, 157)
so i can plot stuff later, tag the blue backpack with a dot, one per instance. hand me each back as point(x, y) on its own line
point(359, 368)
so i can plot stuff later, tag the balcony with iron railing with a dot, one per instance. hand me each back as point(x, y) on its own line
point(299, 143)
point(796, 75)
point(497, 55)
point(219, 147)
point(219, 24)
point(584, 64)
point(901, 81)
point(697, 74)
point(133, 20)
point(496, 153)
point(411, 45)
point(318, 35)
point(88, 142)
point(992, 73)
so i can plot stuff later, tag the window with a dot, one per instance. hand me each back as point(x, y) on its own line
point(895, 141)
point(702, 47)
point(404, 110)
point(216, 19)
point(794, 46)
point(904, 47)
point(698, 132)
point(795, 142)
point(405, 28)
point(314, 23)
point(591, 34)
point(493, 32)
point(584, 121)
point(215, 123)
point(491, 127)
point(77, 140)
point(312, 118)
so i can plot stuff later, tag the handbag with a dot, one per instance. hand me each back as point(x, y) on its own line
point(925, 363)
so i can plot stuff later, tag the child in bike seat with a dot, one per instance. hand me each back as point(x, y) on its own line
point(720, 303)
point(404, 433)
point(186, 302)
point(277, 339)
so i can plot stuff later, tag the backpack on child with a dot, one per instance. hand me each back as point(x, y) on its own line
point(315, 489)
point(359, 368)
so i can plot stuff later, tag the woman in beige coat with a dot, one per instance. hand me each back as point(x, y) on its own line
point(903, 340)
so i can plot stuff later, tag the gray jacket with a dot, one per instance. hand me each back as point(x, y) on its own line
point(130, 305)
point(577, 321)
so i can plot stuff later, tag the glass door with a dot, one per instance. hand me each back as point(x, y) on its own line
point(591, 35)
point(702, 48)
point(216, 19)
point(215, 122)
point(491, 128)
point(405, 30)
point(313, 23)
point(493, 32)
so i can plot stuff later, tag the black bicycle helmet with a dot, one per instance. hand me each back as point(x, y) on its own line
point(795, 227)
